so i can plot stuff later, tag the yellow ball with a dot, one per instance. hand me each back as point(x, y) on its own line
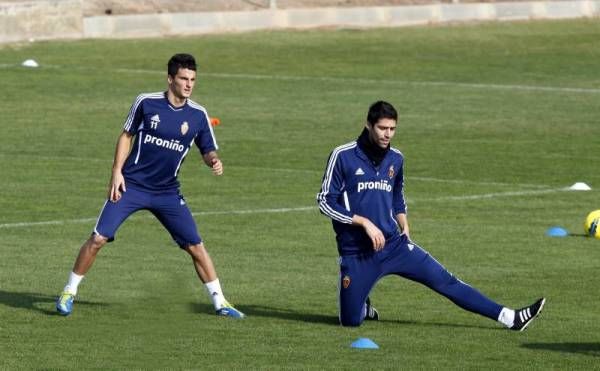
point(592, 224)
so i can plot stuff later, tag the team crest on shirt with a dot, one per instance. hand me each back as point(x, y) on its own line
point(154, 121)
point(184, 128)
point(391, 171)
point(346, 281)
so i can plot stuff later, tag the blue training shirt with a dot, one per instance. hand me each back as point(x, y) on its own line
point(353, 185)
point(164, 135)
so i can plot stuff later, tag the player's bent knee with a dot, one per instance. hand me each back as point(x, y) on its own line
point(196, 247)
point(350, 322)
point(96, 241)
point(197, 250)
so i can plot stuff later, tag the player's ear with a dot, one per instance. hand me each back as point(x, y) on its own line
point(169, 79)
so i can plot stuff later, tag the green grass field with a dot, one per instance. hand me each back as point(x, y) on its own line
point(496, 120)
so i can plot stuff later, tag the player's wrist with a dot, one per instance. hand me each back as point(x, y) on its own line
point(360, 220)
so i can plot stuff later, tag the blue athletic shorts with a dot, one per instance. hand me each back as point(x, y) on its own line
point(169, 208)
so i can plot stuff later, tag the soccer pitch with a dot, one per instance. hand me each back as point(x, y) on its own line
point(496, 120)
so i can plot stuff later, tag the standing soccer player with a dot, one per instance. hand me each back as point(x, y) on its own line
point(362, 192)
point(157, 135)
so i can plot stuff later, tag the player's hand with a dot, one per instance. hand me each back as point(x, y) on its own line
point(117, 185)
point(217, 166)
point(374, 234)
point(406, 232)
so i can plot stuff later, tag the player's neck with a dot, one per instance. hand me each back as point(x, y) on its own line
point(370, 149)
point(175, 100)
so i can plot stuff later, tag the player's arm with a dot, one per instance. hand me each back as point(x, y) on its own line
point(212, 160)
point(403, 223)
point(117, 182)
point(207, 144)
point(329, 201)
point(331, 192)
point(399, 204)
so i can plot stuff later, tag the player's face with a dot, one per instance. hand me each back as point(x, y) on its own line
point(182, 84)
point(382, 132)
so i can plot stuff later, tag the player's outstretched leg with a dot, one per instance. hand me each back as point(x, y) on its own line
point(524, 316)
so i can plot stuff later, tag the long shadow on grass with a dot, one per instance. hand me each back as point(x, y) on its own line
point(38, 302)
point(252, 310)
point(439, 324)
point(589, 349)
point(271, 312)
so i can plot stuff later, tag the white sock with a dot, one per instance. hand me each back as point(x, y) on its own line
point(73, 283)
point(507, 317)
point(216, 294)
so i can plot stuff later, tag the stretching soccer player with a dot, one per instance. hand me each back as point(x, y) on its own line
point(158, 133)
point(362, 192)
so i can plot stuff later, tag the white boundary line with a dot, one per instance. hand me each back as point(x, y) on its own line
point(200, 213)
point(405, 82)
point(464, 181)
point(247, 76)
point(498, 194)
point(294, 209)
point(56, 158)
point(410, 178)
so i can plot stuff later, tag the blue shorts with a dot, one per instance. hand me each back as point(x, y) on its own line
point(169, 208)
point(400, 256)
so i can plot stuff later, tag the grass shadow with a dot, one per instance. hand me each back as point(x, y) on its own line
point(440, 324)
point(252, 310)
point(589, 349)
point(579, 235)
point(37, 302)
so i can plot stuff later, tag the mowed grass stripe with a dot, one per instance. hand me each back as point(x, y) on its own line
point(353, 80)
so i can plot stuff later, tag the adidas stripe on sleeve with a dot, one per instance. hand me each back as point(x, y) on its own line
point(332, 188)
point(135, 115)
point(205, 140)
point(399, 203)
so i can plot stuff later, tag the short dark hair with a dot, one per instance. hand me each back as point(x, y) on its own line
point(381, 110)
point(181, 60)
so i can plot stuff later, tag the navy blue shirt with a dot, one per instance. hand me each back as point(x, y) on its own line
point(164, 135)
point(353, 185)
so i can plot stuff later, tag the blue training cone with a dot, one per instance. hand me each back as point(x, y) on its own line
point(557, 232)
point(364, 343)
